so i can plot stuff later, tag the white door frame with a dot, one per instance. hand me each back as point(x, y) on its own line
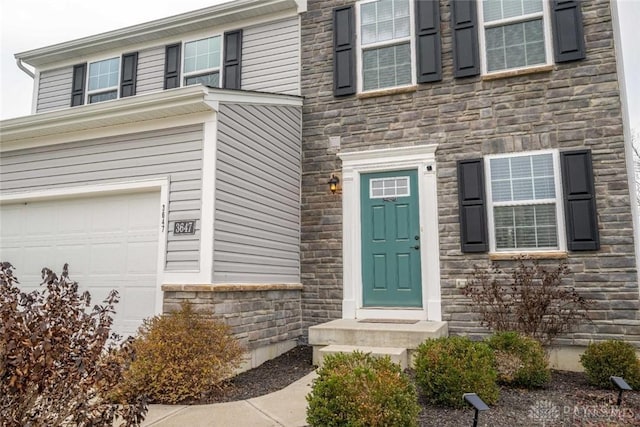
point(422, 158)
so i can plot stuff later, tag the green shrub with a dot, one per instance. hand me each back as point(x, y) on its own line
point(359, 390)
point(448, 367)
point(181, 356)
point(520, 360)
point(611, 358)
point(58, 358)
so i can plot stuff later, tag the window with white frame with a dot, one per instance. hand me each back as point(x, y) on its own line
point(103, 80)
point(202, 61)
point(389, 187)
point(515, 34)
point(385, 36)
point(525, 210)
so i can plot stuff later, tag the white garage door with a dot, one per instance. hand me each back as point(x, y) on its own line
point(110, 242)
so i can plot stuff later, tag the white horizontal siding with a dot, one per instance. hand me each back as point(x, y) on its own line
point(54, 89)
point(150, 70)
point(174, 153)
point(271, 57)
point(257, 206)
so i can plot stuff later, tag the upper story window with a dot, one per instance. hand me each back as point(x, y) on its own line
point(202, 62)
point(103, 80)
point(524, 201)
point(514, 34)
point(385, 35)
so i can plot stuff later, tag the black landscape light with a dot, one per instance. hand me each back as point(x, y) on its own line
point(477, 403)
point(621, 385)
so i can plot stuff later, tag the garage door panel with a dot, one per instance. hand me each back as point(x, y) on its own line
point(107, 257)
point(109, 242)
point(138, 260)
point(12, 221)
point(41, 221)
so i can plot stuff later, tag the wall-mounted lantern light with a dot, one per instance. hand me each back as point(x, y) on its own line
point(333, 184)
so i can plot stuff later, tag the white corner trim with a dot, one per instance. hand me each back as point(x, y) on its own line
point(421, 158)
point(204, 274)
point(626, 128)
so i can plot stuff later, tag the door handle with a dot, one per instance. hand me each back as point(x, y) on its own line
point(416, 247)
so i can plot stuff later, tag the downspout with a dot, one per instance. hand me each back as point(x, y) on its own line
point(25, 69)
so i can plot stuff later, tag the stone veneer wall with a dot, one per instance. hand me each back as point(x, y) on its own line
point(266, 319)
point(573, 105)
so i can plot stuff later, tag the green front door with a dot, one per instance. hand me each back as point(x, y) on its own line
point(390, 239)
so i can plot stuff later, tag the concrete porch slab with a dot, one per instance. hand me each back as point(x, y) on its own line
point(396, 354)
point(352, 332)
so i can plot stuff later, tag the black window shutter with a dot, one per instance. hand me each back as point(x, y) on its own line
point(428, 41)
point(172, 66)
point(77, 86)
point(344, 51)
point(232, 59)
point(568, 34)
point(129, 74)
point(471, 199)
point(464, 23)
point(579, 201)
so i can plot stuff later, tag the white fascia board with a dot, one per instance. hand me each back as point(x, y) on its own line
point(162, 28)
point(231, 96)
point(165, 104)
point(172, 107)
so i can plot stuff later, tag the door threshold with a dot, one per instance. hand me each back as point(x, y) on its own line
point(393, 321)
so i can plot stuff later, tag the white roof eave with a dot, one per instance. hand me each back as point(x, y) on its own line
point(39, 129)
point(158, 29)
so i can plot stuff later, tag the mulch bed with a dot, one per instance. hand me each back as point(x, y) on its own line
point(568, 400)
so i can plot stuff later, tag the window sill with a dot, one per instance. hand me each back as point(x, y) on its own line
point(385, 92)
point(521, 72)
point(507, 256)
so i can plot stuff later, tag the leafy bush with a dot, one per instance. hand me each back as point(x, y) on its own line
point(531, 300)
point(58, 361)
point(448, 367)
point(611, 358)
point(520, 360)
point(360, 390)
point(181, 356)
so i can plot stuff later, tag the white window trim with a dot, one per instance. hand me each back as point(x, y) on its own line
point(546, 25)
point(359, 48)
point(89, 93)
point(559, 201)
point(184, 75)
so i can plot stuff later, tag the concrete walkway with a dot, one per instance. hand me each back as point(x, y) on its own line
point(287, 407)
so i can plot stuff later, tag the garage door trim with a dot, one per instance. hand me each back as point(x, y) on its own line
point(112, 188)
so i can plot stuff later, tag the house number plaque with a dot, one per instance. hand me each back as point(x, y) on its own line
point(184, 227)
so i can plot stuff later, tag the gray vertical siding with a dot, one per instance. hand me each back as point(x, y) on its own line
point(175, 153)
point(271, 57)
point(150, 70)
point(257, 206)
point(54, 90)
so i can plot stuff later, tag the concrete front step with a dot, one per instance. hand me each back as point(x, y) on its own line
point(375, 334)
point(397, 355)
